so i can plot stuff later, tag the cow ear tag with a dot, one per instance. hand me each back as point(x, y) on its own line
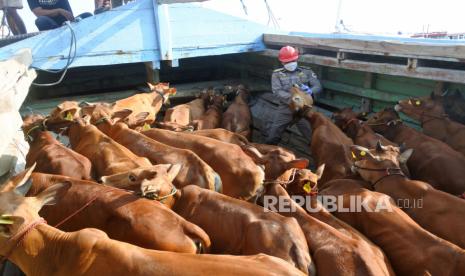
point(6, 220)
point(69, 116)
point(307, 187)
point(146, 127)
point(363, 153)
point(353, 155)
point(417, 102)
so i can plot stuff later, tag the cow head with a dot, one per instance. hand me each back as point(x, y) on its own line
point(299, 100)
point(32, 123)
point(218, 100)
point(305, 181)
point(102, 114)
point(383, 120)
point(421, 108)
point(162, 89)
point(343, 117)
point(374, 164)
point(63, 115)
point(276, 162)
point(17, 211)
point(153, 182)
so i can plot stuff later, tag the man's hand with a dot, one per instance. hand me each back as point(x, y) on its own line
point(306, 89)
point(66, 14)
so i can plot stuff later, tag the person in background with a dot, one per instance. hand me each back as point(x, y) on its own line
point(102, 6)
point(15, 22)
point(51, 14)
point(282, 81)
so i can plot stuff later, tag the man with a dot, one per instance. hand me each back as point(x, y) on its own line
point(51, 14)
point(281, 82)
point(102, 6)
point(15, 22)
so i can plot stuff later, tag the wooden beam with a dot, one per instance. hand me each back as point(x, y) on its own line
point(428, 73)
point(375, 47)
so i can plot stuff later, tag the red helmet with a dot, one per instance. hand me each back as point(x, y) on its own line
point(288, 54)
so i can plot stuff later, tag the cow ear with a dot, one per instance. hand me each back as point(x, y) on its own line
point(320, 170)
point(253, 153)
point(151, 86)
point(174, 171)
point(404, 156)
point(6, 221)
point(121, 114)
point(19, 183)
point(52, 194)
point(300, 163)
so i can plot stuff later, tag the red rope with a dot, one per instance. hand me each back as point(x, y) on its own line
point(76, 212)
point(20, 236)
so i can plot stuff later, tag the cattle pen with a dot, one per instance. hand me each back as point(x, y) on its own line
point(194, 48)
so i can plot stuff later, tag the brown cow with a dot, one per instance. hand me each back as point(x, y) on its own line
point(44, 250)
point(213, 116)
point(120, 214)
point(347, 120)
point(430, 113)
point(432, 161)
point(146, 102)
point(237, 117)
point(50, 155)
point(248, 229)
point(336, 248)
point(411, 249)
point(194, 171)
point(184, 114)
point(380, 167)
point(240, 176)
point(329, 145)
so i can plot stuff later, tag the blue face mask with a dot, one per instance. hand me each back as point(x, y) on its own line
point(291, 66)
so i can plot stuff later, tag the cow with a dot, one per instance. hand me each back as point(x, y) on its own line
point(429, 111)
point(241, 177)
point(411, 249)
point(223, 135)
point(119, 213)
point(381, 167)
point(432, 161)
point(276, 162)
point(360, 133)
point(334, 246)
point(49, 155)
point(194, 171)
point(213, 115)
point(146, 102)
point(40, 249)
point(185, 114)
point(238, 117)
point(329, 145)
point(248, 229)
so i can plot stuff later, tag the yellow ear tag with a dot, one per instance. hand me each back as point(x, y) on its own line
point(69, 116)
point(417, 102)
point(307, 187)
point(146, 127)
point(363, 153)
point(5, 219)
point(353, 155)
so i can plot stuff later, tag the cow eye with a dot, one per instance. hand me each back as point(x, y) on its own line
point(132, 178)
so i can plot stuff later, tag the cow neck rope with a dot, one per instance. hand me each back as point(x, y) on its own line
point(20, 236)
point(389, 172)
point(174, 190)
point(161, 95)
point(282, 182)
point(385, 123)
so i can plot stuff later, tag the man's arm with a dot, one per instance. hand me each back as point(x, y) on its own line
point(278, 90)
point(315, 84)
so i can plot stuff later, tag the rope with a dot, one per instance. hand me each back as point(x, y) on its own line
point(71, 58)
point(282, 182)
point(77, 211)
point(20, 236)
point(271, 17)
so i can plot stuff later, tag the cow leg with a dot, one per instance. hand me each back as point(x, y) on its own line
point(281, 120)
